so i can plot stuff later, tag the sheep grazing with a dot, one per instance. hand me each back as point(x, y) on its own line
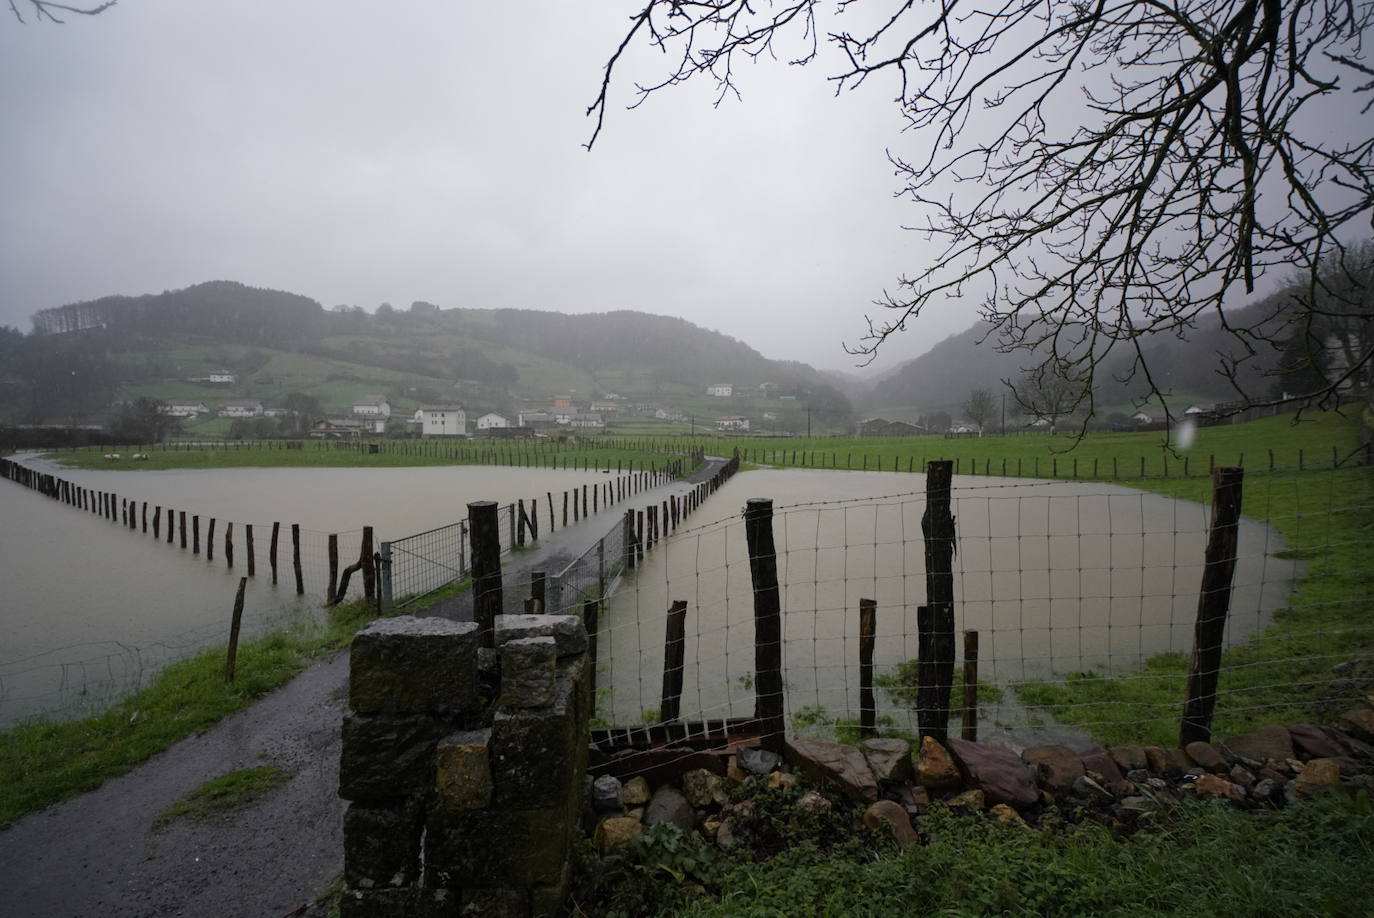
point(112, 456)
point(140, 457)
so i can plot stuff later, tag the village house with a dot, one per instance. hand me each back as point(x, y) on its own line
point(720, 390)
point(182, 409)
point(337, 428)
point(1141, 417)
point(241, 409)
point(670, 414)
point(732, 422)
point(274, 412)
point(535, 419)
point(491, 419)
point(882, 427)
point(223, 377)
point(443, 421)
point(563, 416)
point(586, 419)
point(605, 407)
point(562, 403)
point(372, 406)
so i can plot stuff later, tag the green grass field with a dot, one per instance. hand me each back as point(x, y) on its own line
point(1259, 445)
point(602, 454)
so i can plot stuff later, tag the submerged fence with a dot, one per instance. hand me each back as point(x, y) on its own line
point(1040, 605)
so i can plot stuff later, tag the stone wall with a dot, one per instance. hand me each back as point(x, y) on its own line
point(464, 767)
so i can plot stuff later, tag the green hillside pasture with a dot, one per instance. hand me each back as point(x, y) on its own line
point(1106, 456)
point(391, 454)
point(338, 383)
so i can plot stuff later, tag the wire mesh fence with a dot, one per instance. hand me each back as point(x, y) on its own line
point(1083, 600)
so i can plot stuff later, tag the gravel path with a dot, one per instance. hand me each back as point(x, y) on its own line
point(102, 854)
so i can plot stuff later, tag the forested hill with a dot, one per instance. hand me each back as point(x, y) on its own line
point(275, 341)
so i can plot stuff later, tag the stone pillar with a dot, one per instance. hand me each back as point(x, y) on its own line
point(462, 803)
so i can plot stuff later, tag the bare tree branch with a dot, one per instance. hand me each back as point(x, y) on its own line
point(45, 9)
point(1100, 172)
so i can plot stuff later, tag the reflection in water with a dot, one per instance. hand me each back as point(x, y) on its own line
point(1057, 577)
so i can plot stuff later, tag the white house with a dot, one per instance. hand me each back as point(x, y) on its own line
point(274, 412)
point(491, 419)
point(536, 418)
point(587, 419)
point(222, 376)
point(670, 414)
point(372, 406)
point(443, 421)
point(733, 422)
point(241, 409)
point(179, 409)
point(720, 390)
point(1141, 417)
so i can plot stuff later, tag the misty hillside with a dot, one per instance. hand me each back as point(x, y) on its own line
point(942, 378)
point(164, 345)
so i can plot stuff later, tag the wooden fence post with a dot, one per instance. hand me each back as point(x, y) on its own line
point(248, 547)
point(330, 590)
point(484, 530)
point(590, 612)
point(868, 627)
point(936, 667)
point(674, 649)
point(272, 550)
point(229, 545)
point(1214, 604)
point(209, 540)
point(232, 658)
point(763, 572)
point(970, 731)
point(296, 558)
point(538, 592)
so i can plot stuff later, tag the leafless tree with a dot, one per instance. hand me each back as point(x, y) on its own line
point(980, 408)
point(1119, 168)
point(44, 9)
point(1047, 395)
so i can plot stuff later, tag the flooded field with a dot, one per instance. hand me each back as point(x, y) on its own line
point(88, 608)
point(1057, 577)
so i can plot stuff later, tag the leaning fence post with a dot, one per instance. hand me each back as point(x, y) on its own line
point(763, 572)
point(674, 649)
point(868, 626)
point(970, 732)
point(937, 677)
point(1214, 603)
point(232, 658)
point(486, 567)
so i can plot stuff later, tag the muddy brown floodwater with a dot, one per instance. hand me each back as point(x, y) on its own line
point(1057, 577)
point(89, 610)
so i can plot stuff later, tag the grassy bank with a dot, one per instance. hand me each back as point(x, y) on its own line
point(1209, 859)
point(46, 761)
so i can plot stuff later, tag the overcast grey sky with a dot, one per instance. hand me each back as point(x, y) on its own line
point(361, 153)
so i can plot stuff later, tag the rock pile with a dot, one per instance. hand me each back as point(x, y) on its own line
point(1121, 787)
